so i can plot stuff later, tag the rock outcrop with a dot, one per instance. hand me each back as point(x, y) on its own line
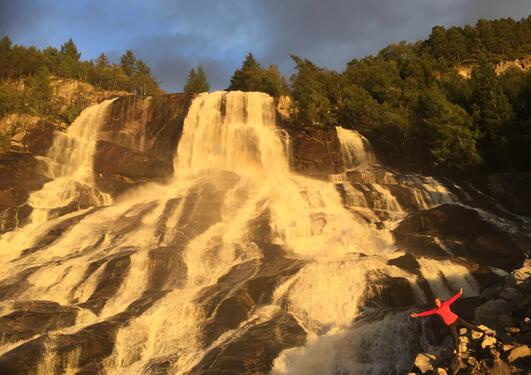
point(28, 133)
point(509, 352)
point(20, 174)
point(464, 232)
point(314, 152)
point(138, 140)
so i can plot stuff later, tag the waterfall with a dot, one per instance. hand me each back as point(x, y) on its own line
point(354, 149)
point(71, 157)
point(169, 273)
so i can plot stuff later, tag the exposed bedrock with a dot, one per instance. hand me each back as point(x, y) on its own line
point(314, 152)
point(20, 174)
point(462, 231)
point(254, 350)
point(138, 140)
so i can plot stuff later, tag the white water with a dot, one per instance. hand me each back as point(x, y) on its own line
point(70, 157)
point(231, 153)
point(354, 149)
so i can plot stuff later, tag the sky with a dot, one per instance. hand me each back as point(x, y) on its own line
point(175, 36)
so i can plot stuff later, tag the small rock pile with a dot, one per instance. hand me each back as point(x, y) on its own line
point(508, 311)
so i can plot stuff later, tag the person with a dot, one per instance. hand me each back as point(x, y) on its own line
point(450, 319)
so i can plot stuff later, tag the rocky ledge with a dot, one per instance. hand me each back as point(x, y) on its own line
point(508, 311)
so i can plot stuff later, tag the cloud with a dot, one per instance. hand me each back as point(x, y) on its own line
point(174, 36)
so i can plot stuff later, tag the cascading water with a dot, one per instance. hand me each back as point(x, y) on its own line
point(171, 274)
point(70, 157)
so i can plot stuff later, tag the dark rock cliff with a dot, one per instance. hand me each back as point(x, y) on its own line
point(138, 140)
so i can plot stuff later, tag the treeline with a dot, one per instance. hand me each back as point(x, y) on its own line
point(414, 107)
point(31, 68)
point(504, 38)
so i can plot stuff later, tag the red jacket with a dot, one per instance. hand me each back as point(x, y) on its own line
point(444, 311)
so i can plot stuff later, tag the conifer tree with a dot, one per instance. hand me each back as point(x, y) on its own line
point(196, 82)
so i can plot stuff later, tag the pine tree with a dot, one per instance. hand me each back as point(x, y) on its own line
point(102, 60)
point(252, 77)
point(69, 49)
point(128, 63)
point(248, 78)
point(196, 82)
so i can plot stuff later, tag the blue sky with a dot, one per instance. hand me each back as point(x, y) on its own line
point(174, 36)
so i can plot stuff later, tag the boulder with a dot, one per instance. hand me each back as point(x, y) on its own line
point(407, 262)
point(488, 341)
point(490, 310)
point(521, 351)
point(520, 278)
point(467, 232)
point(424, 362)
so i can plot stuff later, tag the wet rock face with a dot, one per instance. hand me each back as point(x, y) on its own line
point(118, 168)
point(34, 317)
point(315, 152)
point(254, 351)
point(464, 232)
point(20, 174)
point(138, 140)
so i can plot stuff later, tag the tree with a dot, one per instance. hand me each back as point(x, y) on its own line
point(128, 62)
point(309, 90)
point(69, 49)
point(197, 82)
point(248, 77)
point(252, 77)
point(357, 109)
point(40, 92)
point(447, 131)
point(142, 81)
point(493, 114)
point(102, 60)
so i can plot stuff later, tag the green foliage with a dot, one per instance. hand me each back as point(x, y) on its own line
point(19, 62)
point(417, 111)
point(69, 50)
point(503, 38)
point(252, 77)
point(311, 95)
point(197, 82)
point(128, 63)
point(40, 93)
point(493, 114)
point(447, 131)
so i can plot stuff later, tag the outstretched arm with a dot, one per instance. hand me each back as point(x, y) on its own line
point(452, 300)
point(424, 313)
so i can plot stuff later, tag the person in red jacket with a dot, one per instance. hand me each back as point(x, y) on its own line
point(449, 318)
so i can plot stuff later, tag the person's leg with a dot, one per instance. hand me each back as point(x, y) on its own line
point(453, 330)
point(466, 324)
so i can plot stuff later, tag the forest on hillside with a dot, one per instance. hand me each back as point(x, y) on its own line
point(32, 69)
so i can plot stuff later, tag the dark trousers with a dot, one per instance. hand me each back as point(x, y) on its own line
point(461, 323)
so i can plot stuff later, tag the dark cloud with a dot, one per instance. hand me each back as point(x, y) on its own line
point(174, 36)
